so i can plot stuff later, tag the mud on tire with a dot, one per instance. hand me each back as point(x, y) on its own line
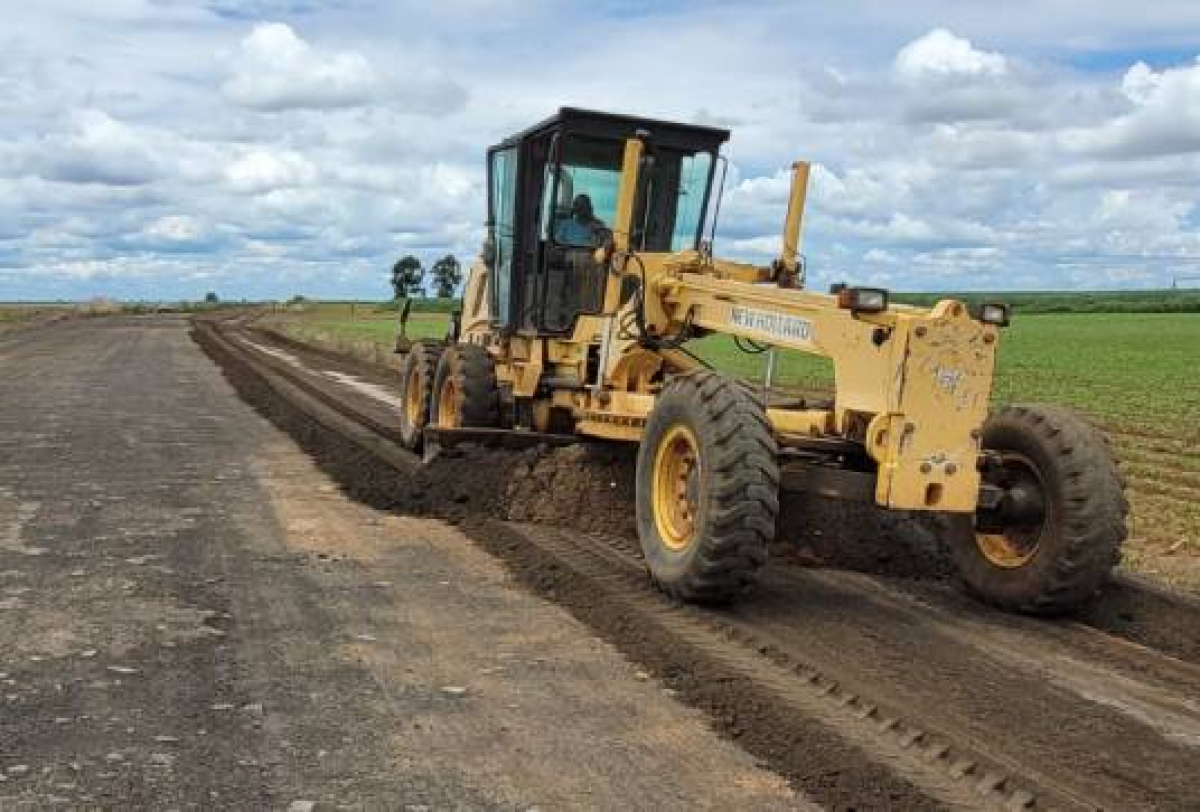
point(465, 394)
point(733, 488)
point(1080, 539)
point(417, 372)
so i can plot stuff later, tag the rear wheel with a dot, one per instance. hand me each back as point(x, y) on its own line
point(707, 488)
point(417, 372)
point(1056, 532)
point(465, 391)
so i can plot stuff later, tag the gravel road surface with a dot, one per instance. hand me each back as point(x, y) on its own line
point(193, 616)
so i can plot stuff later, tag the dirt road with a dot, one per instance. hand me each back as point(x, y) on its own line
point(865, 690)
point(194, 616)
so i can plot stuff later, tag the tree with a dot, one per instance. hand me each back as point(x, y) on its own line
point(211, 297)
point(447, 274)
point(408, 277)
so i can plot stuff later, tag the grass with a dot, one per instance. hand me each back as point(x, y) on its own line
point(1105, 301)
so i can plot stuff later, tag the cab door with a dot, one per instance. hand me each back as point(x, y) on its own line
point(502, 224)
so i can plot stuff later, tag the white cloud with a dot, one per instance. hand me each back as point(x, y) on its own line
point(98, 149)
point(277, 70)
point(940, 54)
point(941, 77)
point(179, 228)
point(971, 147)
point(1164, 119)
point(263, 170)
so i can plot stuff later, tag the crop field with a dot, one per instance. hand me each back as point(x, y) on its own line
point(12, 315)
point(1133, 373)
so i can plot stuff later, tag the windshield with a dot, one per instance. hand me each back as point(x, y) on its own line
point(694, 172)
point(582, 207)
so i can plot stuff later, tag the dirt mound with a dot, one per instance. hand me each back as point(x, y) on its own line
point(852, 535)
point(587, 488)
point(590, 488)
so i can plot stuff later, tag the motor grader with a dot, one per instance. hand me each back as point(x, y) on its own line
point(596, 274)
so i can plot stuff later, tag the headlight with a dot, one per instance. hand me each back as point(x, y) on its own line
point(993, 313)
point(863, 300)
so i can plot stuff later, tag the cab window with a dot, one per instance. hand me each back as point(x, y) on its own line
point(503, 172)
point(582, 209)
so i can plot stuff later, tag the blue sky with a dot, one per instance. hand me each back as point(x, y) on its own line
point(156, 149)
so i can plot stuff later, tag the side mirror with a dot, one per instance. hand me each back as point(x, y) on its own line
point(488, 251)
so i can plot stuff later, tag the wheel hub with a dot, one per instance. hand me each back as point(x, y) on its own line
point(412, 398)
point(447, 405)
point(676, 487)
point(1009, 535)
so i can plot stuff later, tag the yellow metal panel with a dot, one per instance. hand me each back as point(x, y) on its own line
point(931, 441)
point(609, 431)
point(476, 318)
point(795, 216)
point(623, 220)
point(615, 415)
point(807, 422)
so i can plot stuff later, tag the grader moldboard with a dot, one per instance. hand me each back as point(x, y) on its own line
point(595, 275)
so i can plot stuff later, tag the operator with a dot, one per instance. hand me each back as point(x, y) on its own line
point(583, 228)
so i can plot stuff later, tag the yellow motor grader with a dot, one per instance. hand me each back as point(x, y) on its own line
point(596, 274)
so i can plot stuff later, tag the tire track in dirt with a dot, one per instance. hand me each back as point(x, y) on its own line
point(474, 507)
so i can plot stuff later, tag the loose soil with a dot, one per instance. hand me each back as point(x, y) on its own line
point(589, 489)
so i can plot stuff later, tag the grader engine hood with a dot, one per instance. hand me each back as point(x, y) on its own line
point(927, 443)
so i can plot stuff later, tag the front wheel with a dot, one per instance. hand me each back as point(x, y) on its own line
point(416, 391)
point(707, 488)
point(465, 393)
point(1055, 532)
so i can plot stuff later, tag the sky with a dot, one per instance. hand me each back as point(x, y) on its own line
point(157, 150)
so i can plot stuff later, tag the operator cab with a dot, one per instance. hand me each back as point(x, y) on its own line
point(552, 200)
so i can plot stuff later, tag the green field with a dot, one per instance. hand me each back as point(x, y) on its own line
point(1134, 373)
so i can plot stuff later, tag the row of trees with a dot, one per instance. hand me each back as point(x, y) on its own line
point(408, 277)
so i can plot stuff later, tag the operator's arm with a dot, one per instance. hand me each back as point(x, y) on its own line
point(599, 234)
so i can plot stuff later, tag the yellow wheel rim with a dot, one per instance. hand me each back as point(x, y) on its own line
point(676, 487)
point(1016, 545)
point(1007, 550)
point(448, 410)
point(412, 397)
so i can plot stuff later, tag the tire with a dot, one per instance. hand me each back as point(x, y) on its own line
point(1062, 560)
point(708, 544)
point(417, 372)
point(465, 390)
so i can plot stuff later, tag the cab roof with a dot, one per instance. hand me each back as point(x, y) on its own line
point(620, 126)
